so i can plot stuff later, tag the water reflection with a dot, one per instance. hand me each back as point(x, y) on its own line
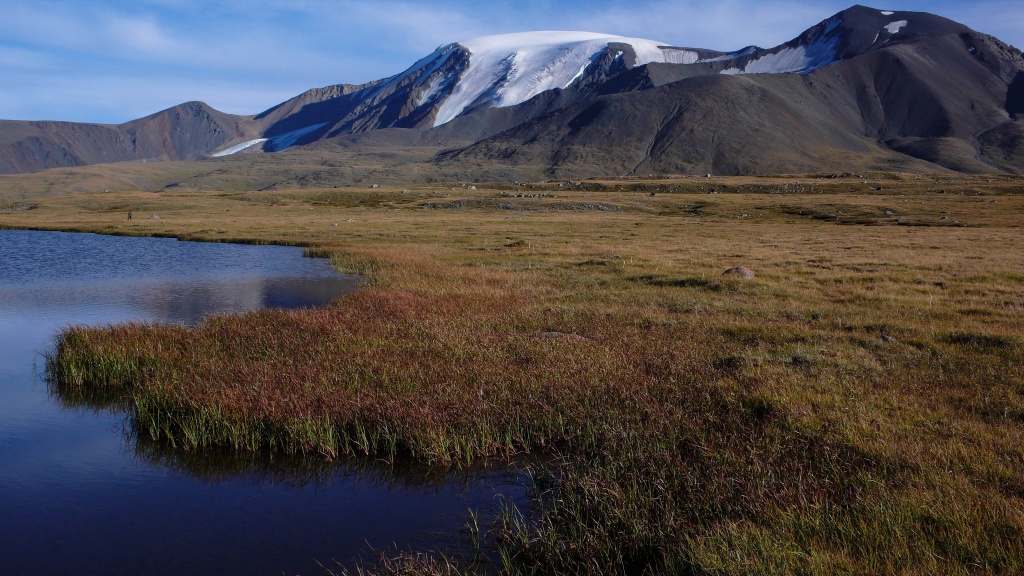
point(217, 465)
point(177, 301)
point(76, 479)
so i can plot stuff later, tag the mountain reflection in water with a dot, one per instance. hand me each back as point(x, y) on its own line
point(82, 493)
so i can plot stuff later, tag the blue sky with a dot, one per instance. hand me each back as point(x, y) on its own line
point(112, 61)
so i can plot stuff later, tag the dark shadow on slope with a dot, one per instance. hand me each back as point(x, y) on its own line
point(1015, 95)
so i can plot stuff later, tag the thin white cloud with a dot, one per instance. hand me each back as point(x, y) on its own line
point(22, 58)
point(140, 34)
point(714, 24)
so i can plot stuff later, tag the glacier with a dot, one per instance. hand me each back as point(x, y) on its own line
point(509, 69)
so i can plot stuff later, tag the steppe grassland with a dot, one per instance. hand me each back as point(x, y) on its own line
point(856, 407)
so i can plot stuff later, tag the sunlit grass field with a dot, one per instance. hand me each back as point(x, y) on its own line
point(856, 407)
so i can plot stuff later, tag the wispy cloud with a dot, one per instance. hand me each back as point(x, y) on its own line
point(716, 24)
point(115, 98)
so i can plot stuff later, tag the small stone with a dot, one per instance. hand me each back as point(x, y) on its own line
point(154, 217)
point(560, 336)
point(888, 339)
point(335, 224)
point(740, 271)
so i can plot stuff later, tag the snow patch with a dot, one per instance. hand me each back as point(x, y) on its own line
point(677, 56)
point(794, 59)
point(580, 73)
point(895, 27)
point(424, 67)
point(239, 147)
point(820, 51)
point(287, 140)
point(439, 82)
point(732, 55)
point(509, 69)
point(887, 13)
point(435, 86)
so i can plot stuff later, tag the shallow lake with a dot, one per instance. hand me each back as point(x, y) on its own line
point(78, 495)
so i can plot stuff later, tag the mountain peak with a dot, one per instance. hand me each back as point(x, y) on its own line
point(847, 34)
point(509, 69)
point(915, 23)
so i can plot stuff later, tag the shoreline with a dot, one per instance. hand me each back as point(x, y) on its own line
point(701, 422)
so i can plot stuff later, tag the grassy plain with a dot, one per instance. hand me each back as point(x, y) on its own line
point(858, 407)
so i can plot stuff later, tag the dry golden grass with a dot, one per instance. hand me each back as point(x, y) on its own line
point(857, 407)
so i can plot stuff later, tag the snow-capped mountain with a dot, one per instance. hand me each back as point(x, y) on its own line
point(510, 69)
point(469, 76)
point(868, 82)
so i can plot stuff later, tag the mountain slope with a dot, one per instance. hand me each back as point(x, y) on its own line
point(863, 88)
point(185, 132)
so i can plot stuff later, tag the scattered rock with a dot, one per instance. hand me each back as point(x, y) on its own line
point(560, 336)
point(375, 186)
point(731, 363)
point(20, 207)
point(335, 224)
point(741, 272)
point(154, 217)
point(888, 339)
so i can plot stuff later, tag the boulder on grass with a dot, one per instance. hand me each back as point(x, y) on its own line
point(740, 272)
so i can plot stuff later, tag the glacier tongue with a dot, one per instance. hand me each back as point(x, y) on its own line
point(509, 69)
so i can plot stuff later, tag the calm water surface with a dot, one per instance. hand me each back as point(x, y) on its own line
point(79, 496)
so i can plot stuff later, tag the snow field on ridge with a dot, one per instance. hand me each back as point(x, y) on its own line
point(509, 69)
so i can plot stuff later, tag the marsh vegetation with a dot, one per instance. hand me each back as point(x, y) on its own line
point(856, 407)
